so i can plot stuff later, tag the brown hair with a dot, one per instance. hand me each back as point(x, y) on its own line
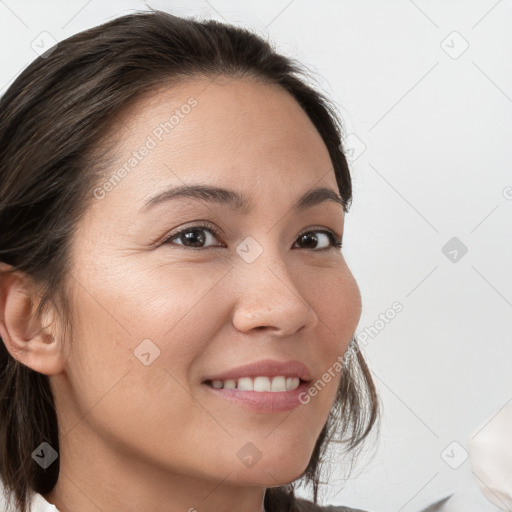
point(53, 119)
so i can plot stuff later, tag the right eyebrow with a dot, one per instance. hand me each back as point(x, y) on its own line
point(237, 200)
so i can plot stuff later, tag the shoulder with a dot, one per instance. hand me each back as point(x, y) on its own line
point(304, 505)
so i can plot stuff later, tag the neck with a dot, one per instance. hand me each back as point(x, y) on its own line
point(95, 478)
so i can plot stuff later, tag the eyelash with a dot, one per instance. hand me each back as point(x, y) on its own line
point(336, 243)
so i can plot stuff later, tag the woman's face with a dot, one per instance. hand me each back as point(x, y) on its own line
point(155, 320)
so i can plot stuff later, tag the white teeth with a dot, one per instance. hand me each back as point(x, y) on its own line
point(276, 384)
point(245, 383)
point(229, 384)
point(292, 383)
point(261, 384)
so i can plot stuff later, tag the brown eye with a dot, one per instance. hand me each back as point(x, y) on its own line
point(327, 238)
point(200, 236)
point(194, 237)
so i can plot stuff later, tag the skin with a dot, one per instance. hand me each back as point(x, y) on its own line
point(153, 438)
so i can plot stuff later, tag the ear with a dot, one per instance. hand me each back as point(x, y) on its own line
point(26, 338)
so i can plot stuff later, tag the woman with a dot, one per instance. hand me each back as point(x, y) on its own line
point(177, 318)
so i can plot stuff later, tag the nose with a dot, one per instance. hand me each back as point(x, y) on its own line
point(270, 298)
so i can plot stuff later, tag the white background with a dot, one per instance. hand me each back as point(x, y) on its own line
point(435, 127)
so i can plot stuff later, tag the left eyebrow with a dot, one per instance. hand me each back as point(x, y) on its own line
point(236, 200)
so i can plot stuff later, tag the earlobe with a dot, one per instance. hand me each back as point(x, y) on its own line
point(25, 337)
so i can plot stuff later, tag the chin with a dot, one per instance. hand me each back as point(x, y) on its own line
point(279, 469)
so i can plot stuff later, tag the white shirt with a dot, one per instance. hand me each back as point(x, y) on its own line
point(39, 504)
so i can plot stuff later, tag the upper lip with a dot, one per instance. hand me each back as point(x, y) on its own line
point(266, 368)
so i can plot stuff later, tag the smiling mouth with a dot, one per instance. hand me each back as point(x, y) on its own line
point(277, 384)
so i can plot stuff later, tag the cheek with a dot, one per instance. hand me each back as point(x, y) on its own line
point(123, 323)
point(338, 305)
point(179, 308)
point(337, 302)
point(141, 315)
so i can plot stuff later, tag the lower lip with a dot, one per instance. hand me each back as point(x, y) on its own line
point(264, 401)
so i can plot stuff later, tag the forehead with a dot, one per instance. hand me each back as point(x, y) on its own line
point(246, 134)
